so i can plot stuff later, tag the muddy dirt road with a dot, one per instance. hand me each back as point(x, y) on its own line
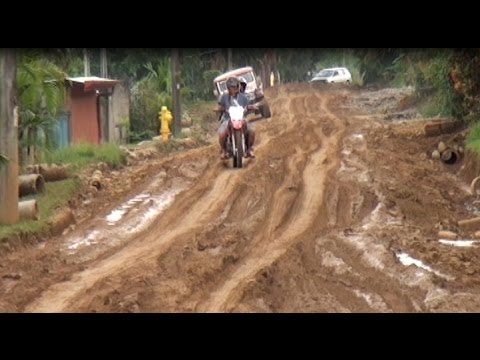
point(339, 212)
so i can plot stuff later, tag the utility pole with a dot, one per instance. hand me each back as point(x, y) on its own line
point(177, 113)
point(8, 138)
point(103, 63)
point(110, 128)
point(86, 63)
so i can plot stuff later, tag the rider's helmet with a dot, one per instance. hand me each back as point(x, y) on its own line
point(243, 83)
point(232, 82)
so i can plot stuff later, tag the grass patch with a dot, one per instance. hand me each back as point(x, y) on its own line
point(472, 142)
point(81, 155)
point(56, 195)
point(435, 105)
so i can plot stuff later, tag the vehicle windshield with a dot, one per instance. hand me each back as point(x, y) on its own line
point(247, 76)
point(325, 73)
point(223, 86)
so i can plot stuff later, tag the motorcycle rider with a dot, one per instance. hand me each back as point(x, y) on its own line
point(243, 84)
point(243, 88)
point(233, 97)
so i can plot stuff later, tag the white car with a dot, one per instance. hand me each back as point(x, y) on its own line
point(333, 75)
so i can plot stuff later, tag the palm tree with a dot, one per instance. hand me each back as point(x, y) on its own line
point(149, 94)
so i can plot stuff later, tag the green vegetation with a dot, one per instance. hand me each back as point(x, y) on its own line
point(428, 71)
point(447, 81)
point(148, 95)
point(58, 193)
point(41, 96)
point(83, 154)
point(55, 196)
point(432, 82)
point(473, 138)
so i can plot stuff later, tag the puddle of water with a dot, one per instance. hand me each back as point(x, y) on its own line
point(159, 204)
point(92, 238)
point(137, 214)
point(407, 260)
point(120, 211)
point(115, 215)
point(460, 243)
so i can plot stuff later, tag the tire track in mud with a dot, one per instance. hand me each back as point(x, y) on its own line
point(334, 271)
point(286, 209)
point(197, 205)
point(361, 286)
point(204, 203)
point(314, 162)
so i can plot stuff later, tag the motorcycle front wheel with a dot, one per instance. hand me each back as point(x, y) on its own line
point(238, 148)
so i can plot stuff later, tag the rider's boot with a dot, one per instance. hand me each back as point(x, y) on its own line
point(223, 146)
point(250, 140)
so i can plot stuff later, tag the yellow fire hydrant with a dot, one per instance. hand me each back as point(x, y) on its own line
point(165, 122)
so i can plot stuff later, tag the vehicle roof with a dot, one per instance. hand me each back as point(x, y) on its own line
point(335, 68)
point(231, 73)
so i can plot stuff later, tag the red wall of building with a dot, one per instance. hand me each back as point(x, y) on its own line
point(83, 116)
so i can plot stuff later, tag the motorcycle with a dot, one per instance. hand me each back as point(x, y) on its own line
point(237, 125)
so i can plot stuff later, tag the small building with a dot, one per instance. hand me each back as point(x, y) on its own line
point(96, 108)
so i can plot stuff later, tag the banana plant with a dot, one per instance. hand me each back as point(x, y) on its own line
point(41, 93)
